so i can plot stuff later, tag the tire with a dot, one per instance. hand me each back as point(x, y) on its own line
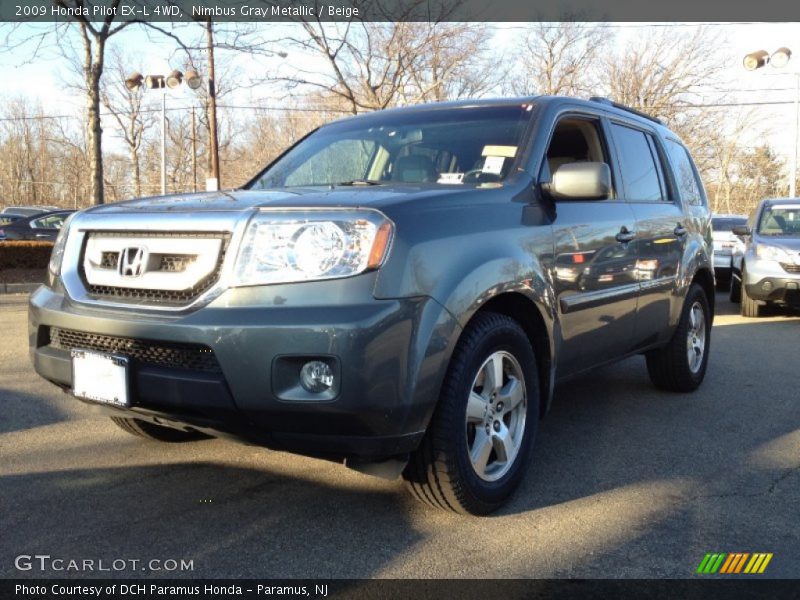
point(749, 307)
point(735, 293)
point(671, 367)
point(441, 472)
point(157, 433)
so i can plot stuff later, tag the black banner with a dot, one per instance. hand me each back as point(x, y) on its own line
point(466, 589)
point(270, 11)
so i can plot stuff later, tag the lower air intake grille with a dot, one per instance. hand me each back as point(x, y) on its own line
point(789, 268)
point(194, 357)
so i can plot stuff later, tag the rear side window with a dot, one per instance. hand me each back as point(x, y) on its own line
point(639, 165)
point(685, 174)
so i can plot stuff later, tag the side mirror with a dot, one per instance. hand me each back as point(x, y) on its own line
point(741, 230)
point(580, 181)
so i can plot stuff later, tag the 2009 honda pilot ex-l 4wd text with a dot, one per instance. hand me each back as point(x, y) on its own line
point(400, 290)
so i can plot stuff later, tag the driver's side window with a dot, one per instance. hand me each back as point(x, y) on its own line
point(574, 140)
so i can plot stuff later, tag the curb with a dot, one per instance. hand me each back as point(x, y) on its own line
point(18, 288)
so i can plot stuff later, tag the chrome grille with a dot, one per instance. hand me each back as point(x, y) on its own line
point(194, 357)
point(168, 263)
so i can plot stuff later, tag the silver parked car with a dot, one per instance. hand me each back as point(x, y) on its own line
point(767, 269)
point(725, 244)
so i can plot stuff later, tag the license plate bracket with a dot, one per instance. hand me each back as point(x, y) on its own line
point(100, 377)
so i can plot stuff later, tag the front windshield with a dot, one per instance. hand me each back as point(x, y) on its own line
point(782, 221)
point(453, 146)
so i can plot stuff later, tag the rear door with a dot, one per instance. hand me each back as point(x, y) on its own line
point(594, 257)
point(660, 226)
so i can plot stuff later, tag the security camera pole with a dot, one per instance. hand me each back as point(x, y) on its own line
point(161, 82)
point(779, 59)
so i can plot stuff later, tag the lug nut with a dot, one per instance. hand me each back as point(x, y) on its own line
point(499, 406)
point(497, 425)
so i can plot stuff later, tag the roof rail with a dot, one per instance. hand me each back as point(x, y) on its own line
point(608, 102)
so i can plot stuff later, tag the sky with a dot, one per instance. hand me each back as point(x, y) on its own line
point(41, 76)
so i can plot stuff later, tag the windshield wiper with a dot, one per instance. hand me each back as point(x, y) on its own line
point(360, 182)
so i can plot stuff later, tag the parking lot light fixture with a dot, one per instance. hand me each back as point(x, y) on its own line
point(756, 60)
point(779, 59)
point(161, 82)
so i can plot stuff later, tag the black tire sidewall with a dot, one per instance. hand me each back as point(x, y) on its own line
point(696, 294)
point(510, 338)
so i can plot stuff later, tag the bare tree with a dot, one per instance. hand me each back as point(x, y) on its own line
point(661, 72)
point(125, 106)
point(559, 59)
point(371, 66)
point(94, 37)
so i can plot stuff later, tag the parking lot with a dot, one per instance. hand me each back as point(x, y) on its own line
point(628, 481)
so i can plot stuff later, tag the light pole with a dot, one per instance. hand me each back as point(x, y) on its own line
point(162, 82)
point(779, 59)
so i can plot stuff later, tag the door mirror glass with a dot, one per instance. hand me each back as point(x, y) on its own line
point(580, 181)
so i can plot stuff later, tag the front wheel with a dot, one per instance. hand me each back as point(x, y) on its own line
point(480, 439)
point(680, 366)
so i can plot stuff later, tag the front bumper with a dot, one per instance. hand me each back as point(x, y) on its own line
point(390, 357)
point(768, 281)
point(722, 262)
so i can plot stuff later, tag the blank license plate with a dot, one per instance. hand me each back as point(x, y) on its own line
point(100, 377)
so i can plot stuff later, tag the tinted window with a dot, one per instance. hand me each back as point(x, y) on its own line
point(727, 223)
point(638, 164)
point(685, 174)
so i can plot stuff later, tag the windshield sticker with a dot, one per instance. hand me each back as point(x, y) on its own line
point(451, 178)
point(493, 165)
point(507, 151)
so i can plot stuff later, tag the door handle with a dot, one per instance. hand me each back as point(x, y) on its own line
point(679, 231)
point(624, 236)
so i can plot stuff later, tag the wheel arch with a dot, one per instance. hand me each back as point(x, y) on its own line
point(705, 278)
point(530, 317)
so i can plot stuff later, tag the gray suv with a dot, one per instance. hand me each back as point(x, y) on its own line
point(400, 290)
point(766, 269)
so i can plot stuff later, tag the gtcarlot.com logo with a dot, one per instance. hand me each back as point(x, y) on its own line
point(46, 562)
point(734, 563)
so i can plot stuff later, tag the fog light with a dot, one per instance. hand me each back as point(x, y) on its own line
point(767, 286)
point(316, 376)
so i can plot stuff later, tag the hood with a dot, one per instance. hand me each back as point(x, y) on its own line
point(236, 200)
point(792, 244)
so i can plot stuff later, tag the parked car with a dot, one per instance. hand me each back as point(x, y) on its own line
point(7, 219)
point(766, 271)
point(42, 227)
point(386, 292)
point(27, 211)
point(725, 243)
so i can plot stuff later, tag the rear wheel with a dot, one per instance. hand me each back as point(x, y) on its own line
point(480, 439)
point(680, 366)
point(158, 433)
point(749, 306)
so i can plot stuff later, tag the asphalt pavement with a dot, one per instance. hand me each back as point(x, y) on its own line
point(627, 481)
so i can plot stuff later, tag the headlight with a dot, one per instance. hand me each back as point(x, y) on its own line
point(766, 252)
point(57, 255)
point(295, 246)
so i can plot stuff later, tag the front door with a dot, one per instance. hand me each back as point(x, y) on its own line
point(594, 266)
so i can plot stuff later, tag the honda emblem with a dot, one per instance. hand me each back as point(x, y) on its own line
point(132, 261)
